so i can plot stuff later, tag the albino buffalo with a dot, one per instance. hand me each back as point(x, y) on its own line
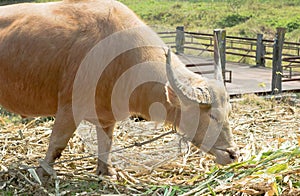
point(97, 61)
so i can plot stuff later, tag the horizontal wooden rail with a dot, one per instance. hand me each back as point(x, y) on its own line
point(166, 32)
point(259, 49)
point(200, 49)
point(292, 58)
point(206, 40)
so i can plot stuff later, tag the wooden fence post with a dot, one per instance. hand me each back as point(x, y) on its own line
point(276, 62)
point(219, 52)
point(180, 39)
point(260, 51)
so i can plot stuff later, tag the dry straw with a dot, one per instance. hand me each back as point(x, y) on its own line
point(267, 132)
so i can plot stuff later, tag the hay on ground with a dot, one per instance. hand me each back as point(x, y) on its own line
point(267, 132)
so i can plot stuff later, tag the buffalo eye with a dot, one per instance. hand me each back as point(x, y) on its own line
point(213, 117)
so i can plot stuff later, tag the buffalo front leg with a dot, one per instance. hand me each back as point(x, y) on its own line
point(104, 139)
point(62, 131)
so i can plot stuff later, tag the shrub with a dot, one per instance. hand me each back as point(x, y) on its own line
point(293, 25)
point(232, 20)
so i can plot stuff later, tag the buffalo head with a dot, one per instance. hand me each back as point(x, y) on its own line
point(204, 108)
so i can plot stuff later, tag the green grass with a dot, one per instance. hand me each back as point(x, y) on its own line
point(238, 17)
point(247, 18)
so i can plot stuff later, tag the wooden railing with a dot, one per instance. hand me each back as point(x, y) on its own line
point(284, 56)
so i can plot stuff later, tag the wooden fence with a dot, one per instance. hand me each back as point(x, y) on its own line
point(285, 56)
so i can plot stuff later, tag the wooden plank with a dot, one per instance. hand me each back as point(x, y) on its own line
point(240, 49)
point(291, 58)
point(260, 51)
point(291, 79)
point(180, 40)
point(166, 32)
point(199, 64)
point(277, 62)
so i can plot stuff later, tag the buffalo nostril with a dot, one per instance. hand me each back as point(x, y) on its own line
point(233, 155)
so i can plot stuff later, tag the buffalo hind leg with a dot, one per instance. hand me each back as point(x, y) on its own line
point(104, 138)
point(62, 131)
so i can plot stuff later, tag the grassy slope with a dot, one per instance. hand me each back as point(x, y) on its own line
point(246, 18)
point(254, 16)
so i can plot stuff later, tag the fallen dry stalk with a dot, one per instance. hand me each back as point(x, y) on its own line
point(260, 128)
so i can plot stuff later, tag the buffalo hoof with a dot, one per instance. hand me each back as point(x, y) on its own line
point(108, 171)
point(43, 175)
point(105, 169)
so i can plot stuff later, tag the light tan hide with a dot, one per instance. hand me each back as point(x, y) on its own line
point(42, 47)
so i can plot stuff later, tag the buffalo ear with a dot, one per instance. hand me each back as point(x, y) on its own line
point(183, 88)
point(171, 96)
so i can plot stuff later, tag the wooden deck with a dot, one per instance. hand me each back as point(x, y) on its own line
point(245, 78)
